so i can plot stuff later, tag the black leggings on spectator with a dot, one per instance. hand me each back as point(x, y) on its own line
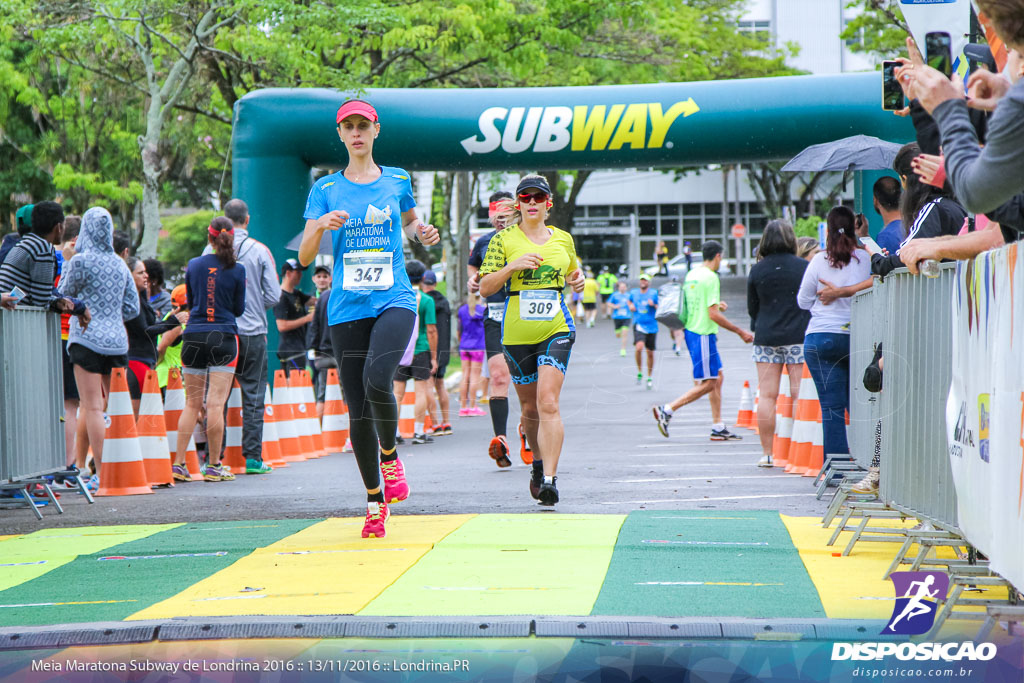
point(368, 351)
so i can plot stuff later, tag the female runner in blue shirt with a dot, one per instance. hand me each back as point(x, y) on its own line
point(372, 306)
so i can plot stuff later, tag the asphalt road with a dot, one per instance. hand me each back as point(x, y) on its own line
point(614, 459)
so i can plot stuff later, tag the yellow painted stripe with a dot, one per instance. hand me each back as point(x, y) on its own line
point(324, 569)
point(853, 587)
point(4, 538)
point(29, 556)
point(509, 564)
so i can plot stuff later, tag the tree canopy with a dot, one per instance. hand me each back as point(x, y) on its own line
point(127, 103)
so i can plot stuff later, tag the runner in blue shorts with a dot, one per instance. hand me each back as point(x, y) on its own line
point(367, 207)
point(704, 308)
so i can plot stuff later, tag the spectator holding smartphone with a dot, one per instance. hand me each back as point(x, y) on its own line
point(983, 178)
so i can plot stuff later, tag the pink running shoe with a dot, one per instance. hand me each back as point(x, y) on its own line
point(477, 411)
point(376, 515)
point(464, 412)
point(395, 487)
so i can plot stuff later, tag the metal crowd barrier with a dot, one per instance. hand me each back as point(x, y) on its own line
point(912, 317)
point(31, 394)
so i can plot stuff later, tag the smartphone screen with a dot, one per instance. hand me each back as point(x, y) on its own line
point(892, 93)
point(937, 49)
point(870, 245)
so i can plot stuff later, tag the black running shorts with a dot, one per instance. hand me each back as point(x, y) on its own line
point(492, 338)
point(524, 359)
point(213, 351)
point(648, 339)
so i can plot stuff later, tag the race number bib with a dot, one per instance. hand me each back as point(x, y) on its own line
point(496, 312)
point(538, 305)
point(367, 270)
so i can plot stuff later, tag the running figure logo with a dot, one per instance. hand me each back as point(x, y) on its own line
point(917, 596)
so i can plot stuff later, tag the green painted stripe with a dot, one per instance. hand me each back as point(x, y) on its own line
point(30, 556)
point(91, 589)
point(504, 565)
point(707, 563)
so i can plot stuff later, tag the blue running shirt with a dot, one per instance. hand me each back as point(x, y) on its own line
point(646, 307)
point(374, 224)
point(619, 302)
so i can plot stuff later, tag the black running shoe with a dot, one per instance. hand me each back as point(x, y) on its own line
point(399, 440)
point(422, 438)
point(536, 479)
point(548, 493)
point(724, 435)
point(662, 418)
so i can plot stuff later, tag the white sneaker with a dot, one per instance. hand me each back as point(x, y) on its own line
point(765, 461)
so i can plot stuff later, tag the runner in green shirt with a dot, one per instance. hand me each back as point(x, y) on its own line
point(704, 316)
point(606, 282)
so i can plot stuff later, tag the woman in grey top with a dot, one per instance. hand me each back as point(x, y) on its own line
point(97, 276)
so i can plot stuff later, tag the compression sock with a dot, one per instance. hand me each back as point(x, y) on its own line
point(375, 497)
point(388, 456)
point(499, 414)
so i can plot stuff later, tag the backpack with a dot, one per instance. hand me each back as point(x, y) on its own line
point(671, 306)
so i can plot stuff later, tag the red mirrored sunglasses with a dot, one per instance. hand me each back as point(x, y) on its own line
point(538, 197)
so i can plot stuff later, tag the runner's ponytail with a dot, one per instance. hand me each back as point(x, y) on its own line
point(222, 238)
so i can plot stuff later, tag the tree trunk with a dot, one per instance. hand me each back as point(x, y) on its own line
point(463, 205)
point(152, 169)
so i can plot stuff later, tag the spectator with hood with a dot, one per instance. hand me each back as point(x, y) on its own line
point(101, 278)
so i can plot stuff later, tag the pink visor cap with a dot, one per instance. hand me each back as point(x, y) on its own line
point(357, 107)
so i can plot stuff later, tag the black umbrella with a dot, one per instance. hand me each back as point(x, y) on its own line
point(857, 153)
point(326, 242)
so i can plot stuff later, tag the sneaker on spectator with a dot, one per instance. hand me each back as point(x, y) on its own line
point(180, 473)
point(253, 466)
point(765, 461)
point(724, 434)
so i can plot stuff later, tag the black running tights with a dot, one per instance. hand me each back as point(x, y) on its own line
point(368, 351)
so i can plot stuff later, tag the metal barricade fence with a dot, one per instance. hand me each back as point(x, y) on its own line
point(916, 313)
point(31, 394)
point(868, 323)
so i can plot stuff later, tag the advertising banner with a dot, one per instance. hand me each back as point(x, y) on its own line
point(985, 410)
point(951, 16)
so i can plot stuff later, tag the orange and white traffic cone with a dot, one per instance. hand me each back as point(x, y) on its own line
point(174, 403)
point(309, 397)
point(746, 415)
point(156, 453)
point(271, 450)
point(806, 442)
point(287, 432)
point(301, 417)
point(122, 472)
point(783, 422)
point(407, 413)
point(335, 427)
point(233, 456)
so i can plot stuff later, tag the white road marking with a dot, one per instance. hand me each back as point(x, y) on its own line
point(646, 481)
point(702, 499)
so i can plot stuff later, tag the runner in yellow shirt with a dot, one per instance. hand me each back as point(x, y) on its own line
point(537, 260)
point(590, 288)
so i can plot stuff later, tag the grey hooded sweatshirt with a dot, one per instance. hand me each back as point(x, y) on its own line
point(99, 277)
